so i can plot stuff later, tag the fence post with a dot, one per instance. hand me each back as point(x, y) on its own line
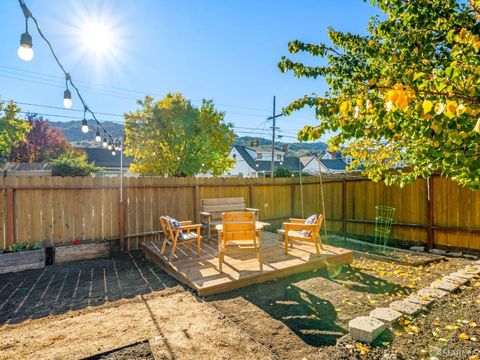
point(121, 222)
point(292, 200)
point(429, 191)
point(250, 195)
point(344, 206)
point(10, 217)
point(196, 204)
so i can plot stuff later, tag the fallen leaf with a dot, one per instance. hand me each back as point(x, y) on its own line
point(464, 336)
point(363, 349)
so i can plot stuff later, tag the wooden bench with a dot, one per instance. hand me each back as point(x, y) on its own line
point(212, 210)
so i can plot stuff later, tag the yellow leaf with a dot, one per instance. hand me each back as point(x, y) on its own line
point(477, 127)
point(472, 324)
point(345, 107)
point(427, 106)
point(463, 336)
point(363, 349)
point(451, 108)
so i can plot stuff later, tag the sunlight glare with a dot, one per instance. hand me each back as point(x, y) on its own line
point(97, 37)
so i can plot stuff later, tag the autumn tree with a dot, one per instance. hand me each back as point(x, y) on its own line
point(172, 137)
point(13, 130)
point(408, 90)
point(42, 143)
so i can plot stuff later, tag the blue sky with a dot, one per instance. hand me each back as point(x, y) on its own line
point(225, 50)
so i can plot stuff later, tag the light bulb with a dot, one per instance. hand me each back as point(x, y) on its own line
point(98, 138)
point(109, 147)
point(113, 152)
point(25, 51)
point(84, 126)
point(105, 144)
point(67, 99)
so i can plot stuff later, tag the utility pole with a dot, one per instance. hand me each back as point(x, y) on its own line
point(273, 117)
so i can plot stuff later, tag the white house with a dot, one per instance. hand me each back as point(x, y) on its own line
point(257, 161)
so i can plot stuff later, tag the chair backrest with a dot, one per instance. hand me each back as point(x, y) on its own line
point(167, 227)
point(239, 226)
point(217, 206)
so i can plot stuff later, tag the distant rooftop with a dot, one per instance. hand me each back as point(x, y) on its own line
point(104, 158)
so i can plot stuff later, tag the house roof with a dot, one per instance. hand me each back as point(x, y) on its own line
point(306, 159)
point(334, 164)
point(17, 167)
point(289, 162)
point(104, 158)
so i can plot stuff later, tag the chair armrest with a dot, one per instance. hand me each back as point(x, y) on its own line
point(189, 227)
point(205, 214)
point(297, 226)
point(187, 222)
point(295, 220)
point(252, 209)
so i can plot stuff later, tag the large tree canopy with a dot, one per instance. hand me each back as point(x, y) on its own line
point(43, 142)
point(13, 130)
point(408, 90)
point(171, 137)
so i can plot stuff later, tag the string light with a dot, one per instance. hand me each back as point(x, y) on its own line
point(98, 138)
point(25, 52)
point(84, 122)
point(67, 95)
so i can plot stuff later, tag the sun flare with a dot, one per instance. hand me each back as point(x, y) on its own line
point(98, 37)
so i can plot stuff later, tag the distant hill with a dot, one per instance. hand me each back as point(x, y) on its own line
point(74, 134)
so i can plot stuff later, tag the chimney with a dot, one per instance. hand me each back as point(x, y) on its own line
point(285, 148)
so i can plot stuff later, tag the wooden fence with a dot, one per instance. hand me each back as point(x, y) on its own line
point(57, 210)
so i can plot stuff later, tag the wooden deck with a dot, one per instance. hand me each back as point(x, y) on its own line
point(240, 270)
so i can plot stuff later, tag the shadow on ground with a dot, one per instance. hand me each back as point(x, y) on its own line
point(57, 289)
point(304, 304)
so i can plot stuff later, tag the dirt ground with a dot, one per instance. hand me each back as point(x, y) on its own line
point(90, 307)
point(100, 305)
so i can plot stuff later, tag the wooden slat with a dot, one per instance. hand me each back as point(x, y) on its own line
point(223, 201)
point(202, 275)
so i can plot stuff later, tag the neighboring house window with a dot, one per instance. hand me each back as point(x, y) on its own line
point(279, 157)
point(259, 155)
point(234, 156)
point(348, 159)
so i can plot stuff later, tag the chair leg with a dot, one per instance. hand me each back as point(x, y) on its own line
point(260, 259)
point(174, 247)
point(198, 246)
point(286, 242)
point(220, 261)
point(164, 246)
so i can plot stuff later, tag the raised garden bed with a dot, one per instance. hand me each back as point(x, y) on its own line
point(83, 251)
point(22, 259)
point(391, 254)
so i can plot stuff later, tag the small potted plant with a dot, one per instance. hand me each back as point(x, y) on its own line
point(22, 256)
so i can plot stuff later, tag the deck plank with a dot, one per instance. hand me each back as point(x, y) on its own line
point(240, 270)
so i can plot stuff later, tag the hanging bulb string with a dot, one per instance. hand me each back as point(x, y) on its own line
point(68, 78)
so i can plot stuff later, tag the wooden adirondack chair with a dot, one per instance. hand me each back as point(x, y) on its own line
point(296, 229)
point(239, 235)
point(212, 210)
point(190, 233)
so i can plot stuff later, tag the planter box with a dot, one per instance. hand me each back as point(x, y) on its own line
point(89, 251)
point(19, 261)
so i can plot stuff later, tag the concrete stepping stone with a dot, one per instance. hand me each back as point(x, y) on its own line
point(425, 300)
point(406, 307)
point(417, 248)
point(462, 275)
point(445, 285)
point(386, 314)
point(475, 269)
point(455, 279)
point(365, 328)
point(437, 252)
point(436, 293)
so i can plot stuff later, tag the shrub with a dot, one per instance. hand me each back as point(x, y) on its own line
point(73, 164)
